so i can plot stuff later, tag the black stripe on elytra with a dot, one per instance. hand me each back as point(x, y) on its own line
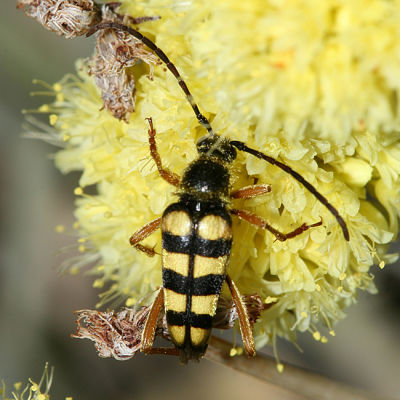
point(202, 286)
point(177, 244)
point(174, 281)
point(203, 321)
point(196, 245)
point(212, 248)
point(207, 284)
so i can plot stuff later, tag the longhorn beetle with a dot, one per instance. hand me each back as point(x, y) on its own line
point(197, 233)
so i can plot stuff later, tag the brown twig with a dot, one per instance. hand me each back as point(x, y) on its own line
point(305, 383)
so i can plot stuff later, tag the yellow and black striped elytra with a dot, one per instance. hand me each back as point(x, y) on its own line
point(196, 243)
point(197, 232)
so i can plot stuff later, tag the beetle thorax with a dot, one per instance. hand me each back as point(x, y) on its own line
point(206, 178)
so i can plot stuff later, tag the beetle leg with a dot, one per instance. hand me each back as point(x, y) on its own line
point(244, 322)
point(165, 351)
point(142, 234)
point(166, 174)
point(150, 326)
point(261, 223)
point(248, 192)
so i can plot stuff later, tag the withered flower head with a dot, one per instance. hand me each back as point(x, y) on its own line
point(69, 18)
point(118, 49)
point(117, 93)
point(115, 335)
point(119, 334)
point(226, 313)
point(115, 52)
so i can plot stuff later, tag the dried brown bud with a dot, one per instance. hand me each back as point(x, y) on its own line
point(118, 49)
point(117, 92)
point(226, 313)
point(119, 335)
point(115, 335)
point(115, 52)
point(69, 18)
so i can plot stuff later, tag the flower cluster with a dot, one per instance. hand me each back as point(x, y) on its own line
point(33, 390)
point(311, 83)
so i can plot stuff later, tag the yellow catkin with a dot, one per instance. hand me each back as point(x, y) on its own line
point(267, 85)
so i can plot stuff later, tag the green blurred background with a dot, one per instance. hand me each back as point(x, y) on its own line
point(37, 303)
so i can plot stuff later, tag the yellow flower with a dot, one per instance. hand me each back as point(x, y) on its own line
point(311, 83)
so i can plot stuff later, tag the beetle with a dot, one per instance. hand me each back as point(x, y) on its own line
point(197, 232)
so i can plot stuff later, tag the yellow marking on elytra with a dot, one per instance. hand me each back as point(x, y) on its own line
point(204, 304)
point(213, 227)
point(208, 265)
point(177, 223)
point(177, 333)
point(174, 301)
point(199, 336)
point(177, 262)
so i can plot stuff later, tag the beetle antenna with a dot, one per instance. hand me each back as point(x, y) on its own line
point(206, 124)
point(164, 58)
point(241, 146)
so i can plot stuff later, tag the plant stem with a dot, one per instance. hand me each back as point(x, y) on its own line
point(295, 379)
